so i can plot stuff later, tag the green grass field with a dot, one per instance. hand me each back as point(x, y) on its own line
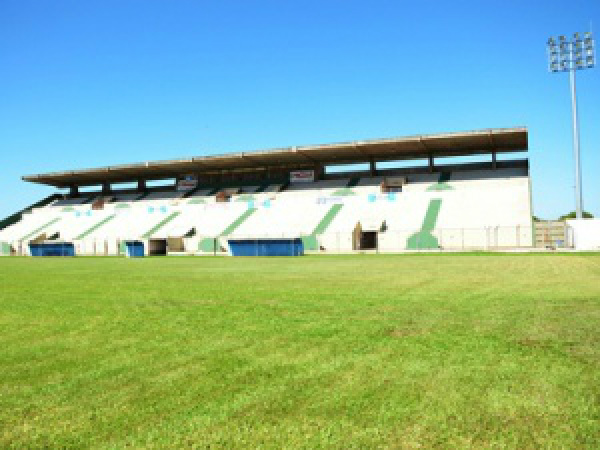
point(317, 352)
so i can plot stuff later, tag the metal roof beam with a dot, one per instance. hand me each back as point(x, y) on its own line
point(422, 146)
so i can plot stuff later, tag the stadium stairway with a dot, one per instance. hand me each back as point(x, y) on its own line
point(208, 244)
point(16, 217)
point(95, 226)
point(262, 187)
point(90, 199)
point(35, 232)
point(442, 183)
point(192, 192)
point(347, 190)
point(197, 189)
point(245, 198)
point(284, 186)
point(353, 182)
point(424, 239)
point(148, 234)
point(343, 192)
point(310, 241)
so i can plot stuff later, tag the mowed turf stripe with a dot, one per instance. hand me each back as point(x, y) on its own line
point(96, 226)
point(37, 230)
point(440, 352)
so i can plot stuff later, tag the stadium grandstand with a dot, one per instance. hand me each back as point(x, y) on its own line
point(389, 205)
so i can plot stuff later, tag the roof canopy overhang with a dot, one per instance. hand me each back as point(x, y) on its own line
point(401, 148)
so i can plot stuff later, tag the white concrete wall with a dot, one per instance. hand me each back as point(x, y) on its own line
point(285, 217)
point(584, 234)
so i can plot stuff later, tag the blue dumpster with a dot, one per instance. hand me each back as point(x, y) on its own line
point(52, 249)
point(266, 247)
point(134, 249)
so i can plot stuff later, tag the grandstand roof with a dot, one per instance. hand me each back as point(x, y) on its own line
point(399, 148)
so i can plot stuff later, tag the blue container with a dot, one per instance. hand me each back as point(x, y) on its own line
point(52, 249)
point(266, 247)
point(134, 249)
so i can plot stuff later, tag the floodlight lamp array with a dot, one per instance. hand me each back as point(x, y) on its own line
point(571, 54)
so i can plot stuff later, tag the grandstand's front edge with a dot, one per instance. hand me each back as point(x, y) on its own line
point(387, 205)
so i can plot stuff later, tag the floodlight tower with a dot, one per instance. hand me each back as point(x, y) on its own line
point(568, 56)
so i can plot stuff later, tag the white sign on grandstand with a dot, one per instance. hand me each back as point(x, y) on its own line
point(395, 181)
point(302, 176)
point(187, 183)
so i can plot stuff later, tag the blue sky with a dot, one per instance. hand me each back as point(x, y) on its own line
point(90, 83)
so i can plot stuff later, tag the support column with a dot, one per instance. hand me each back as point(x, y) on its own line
point(319, 171)
point(431, 163)
point(106, 188)
point(372, 168)
point(141, 185)
point(494, 162)
point(74, 191)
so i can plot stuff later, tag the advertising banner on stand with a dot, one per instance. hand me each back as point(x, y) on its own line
point(302, 176)
point(187, 183)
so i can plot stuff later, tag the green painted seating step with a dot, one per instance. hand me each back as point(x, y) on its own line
point(327, 219)
point(208, 244)
point(237, 222)
point(245, 198)
point(37, 230)
point(433, 210)
point(310, 242)
point(160, 224)
point(346, 190)
point(343, 192)
point(423, 239)
point(4, 248)
point(442, 183)
point(96, 226)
